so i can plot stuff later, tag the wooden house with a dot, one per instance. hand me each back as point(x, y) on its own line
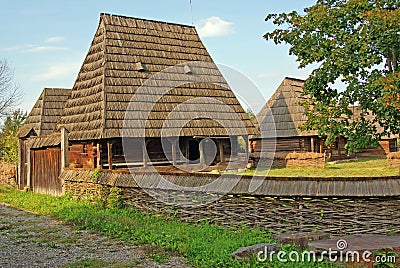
point(108, 101)
point(281, 119)
point(39, 146)
point(145, 85)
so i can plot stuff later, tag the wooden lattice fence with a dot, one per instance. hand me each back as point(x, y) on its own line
point(332, 215)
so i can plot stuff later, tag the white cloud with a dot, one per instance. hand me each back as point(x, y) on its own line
point(54, 39)
point(33, 48)
point(13, 48)
point(58, 71)
point(44, 49)
point(38, 48)
point(215, 26)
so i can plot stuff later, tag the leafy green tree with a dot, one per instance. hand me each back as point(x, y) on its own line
point(356, 42)
point(250, 113)
point(8, 136)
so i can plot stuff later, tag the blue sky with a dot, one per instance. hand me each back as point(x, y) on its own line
point(46, 40)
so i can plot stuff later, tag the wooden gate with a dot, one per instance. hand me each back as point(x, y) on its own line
point(23, 164)
point(45, 170)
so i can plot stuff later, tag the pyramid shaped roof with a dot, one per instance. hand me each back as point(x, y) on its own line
point(284, 106)
point(46, 112)
point(125, 53)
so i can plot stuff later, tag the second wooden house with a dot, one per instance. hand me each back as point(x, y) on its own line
point(283, 129)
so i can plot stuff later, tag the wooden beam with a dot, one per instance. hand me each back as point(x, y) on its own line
point(98, 156)
point(109, 154)
point(312, 144)
point(221, 151)
point(321, 146)
point(187, 149)
point(173, 144)
point(64, 148)
point(144, 153)
point(246, 141)
point(19, 169)
point(202, 155)
point(28, 169)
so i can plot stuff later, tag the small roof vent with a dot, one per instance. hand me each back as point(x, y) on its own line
point(140, 66)
point(187, 69)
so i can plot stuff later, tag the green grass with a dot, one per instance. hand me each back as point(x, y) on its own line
point(360, 168)
point(202, 244)
point(98, 263)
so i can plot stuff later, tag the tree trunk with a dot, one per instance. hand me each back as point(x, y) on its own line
point(394, 59)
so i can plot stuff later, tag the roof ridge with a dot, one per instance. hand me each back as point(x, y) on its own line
point(295, 79)
point(149, 20)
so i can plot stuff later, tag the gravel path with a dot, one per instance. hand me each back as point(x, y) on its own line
point(29, 240)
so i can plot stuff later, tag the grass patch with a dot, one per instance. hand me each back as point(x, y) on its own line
point(359, 168)
point(202, 244)
point(99, 263)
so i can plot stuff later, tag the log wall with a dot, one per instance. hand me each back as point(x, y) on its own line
point(82, 155)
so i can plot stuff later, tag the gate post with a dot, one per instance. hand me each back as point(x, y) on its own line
point(64, 148)
point(28, 186)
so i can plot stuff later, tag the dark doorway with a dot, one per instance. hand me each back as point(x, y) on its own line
point(194, 153)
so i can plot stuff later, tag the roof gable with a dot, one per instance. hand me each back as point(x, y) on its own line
point(284, 106)
point(45, 113)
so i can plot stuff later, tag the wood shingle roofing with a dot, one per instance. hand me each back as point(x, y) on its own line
point(46, 112)
point(288, 114)
point(124, 54)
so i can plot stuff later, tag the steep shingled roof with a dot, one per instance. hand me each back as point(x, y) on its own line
point(124, 54)
point(46, 112)
point(288, 114)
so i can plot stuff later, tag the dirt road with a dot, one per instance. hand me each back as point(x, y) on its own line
point(28, 240)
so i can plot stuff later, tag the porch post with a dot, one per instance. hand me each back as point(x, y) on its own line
point(19, 163)
point(28, 169)
point(173, 152)
point(187, 148)
point(246, 141)
point(173, 141)
point(109, 154)
point(98, 156)
point(202, 156)
point(312, 144)
point(321, 146)
point(64, 148)
point(144, 152)
point(221, 151)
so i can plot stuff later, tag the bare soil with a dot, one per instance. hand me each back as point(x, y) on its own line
point(29, 240)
